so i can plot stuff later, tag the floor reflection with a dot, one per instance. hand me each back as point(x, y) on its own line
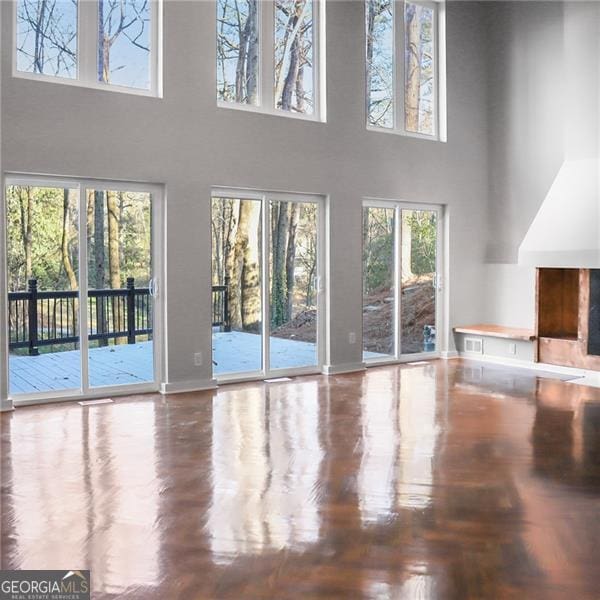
point(445, 480)
point(266, 457)
point(418, 431)
point(83, 506)
point(379, 437)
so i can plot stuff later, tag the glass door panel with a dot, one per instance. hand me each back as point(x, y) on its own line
point(418, 281)
point(294, 284)
point(43, 289)
point(236, 286)
point(379, 304)
point(120, 302)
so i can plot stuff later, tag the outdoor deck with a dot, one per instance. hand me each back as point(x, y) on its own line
point(233, 352)
point(55, 371)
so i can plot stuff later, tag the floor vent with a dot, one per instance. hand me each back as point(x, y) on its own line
point(94, 402)
point(474, 345)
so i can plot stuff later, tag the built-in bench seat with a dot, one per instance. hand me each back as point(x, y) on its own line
point(496, 341)
point(499, 331)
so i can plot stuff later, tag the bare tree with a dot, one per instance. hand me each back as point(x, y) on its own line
point(290, 258)
point(118, 18)
point(237, 49)
point(279, 276)
point(66, 236)
point(47, 34)
point(26, 208)
point(292, 53)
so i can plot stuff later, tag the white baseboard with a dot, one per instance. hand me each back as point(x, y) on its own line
point(343, 368)
point(180, 387)
point(449, 354)
point(526, 364)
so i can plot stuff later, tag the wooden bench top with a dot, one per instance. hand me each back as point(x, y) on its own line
point(499, 331)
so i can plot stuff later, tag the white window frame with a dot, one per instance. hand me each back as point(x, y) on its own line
point(439, 41)
point(87, 52)
point(440, 298)
point(266, 71)
point(265, 199)
point(85, 391)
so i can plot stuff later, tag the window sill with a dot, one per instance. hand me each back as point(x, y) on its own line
point(84, 84)
point(418, 136)
point(268, 111)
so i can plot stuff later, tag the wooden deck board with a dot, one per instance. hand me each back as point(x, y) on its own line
point(111, 365)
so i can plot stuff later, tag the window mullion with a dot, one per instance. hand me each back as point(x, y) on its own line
point(88, 41)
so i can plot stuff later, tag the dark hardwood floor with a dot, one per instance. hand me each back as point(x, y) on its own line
point(448, 480)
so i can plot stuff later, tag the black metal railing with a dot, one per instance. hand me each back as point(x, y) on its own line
point(220, 306)
point(43, 318)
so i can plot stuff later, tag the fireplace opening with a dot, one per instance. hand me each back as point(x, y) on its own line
point(568, 317)
point(594, 315)
point(558, 303)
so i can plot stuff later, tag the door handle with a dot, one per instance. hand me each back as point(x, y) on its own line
point(153, 287)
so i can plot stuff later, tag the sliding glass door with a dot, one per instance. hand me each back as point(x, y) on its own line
point(379, 282)
point(266, 303)
point(42, 249)
point(81, 258)
point(294, 283)
point(418, 280)
point(237, 307)
point(120, 287)
point(401, 282)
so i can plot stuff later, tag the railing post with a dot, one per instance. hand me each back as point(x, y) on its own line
point(226, 320)
point(32, 313)
point(130, 310)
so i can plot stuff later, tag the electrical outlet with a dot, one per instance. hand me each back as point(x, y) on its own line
point(352, 337)
point(512, 348)
point(198, 359)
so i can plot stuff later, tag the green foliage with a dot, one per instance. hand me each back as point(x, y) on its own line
point(46, 227)
point(423, 241)
point(42, 208)
point(378, 249)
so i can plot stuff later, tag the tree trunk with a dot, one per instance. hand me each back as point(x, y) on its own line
point(101, 42)
point(294, 66)
point(237, 263)
point(26, 206)
point(300, 104)
point(252, 62)
point(279, 283)
point(290, 258)
point(99, 268)
point(99, 264)
point(114, 264)
point(293, 27)
point(369, 34)
point(251, 292)
point(413, 72)
point(66, 234)
point(406, 274)
point(39, 40)
point(232, 260)
point(114, 217)
point(240, 68)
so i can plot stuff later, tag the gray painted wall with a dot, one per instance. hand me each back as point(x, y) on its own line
point(185, 142)
point(534, 52)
